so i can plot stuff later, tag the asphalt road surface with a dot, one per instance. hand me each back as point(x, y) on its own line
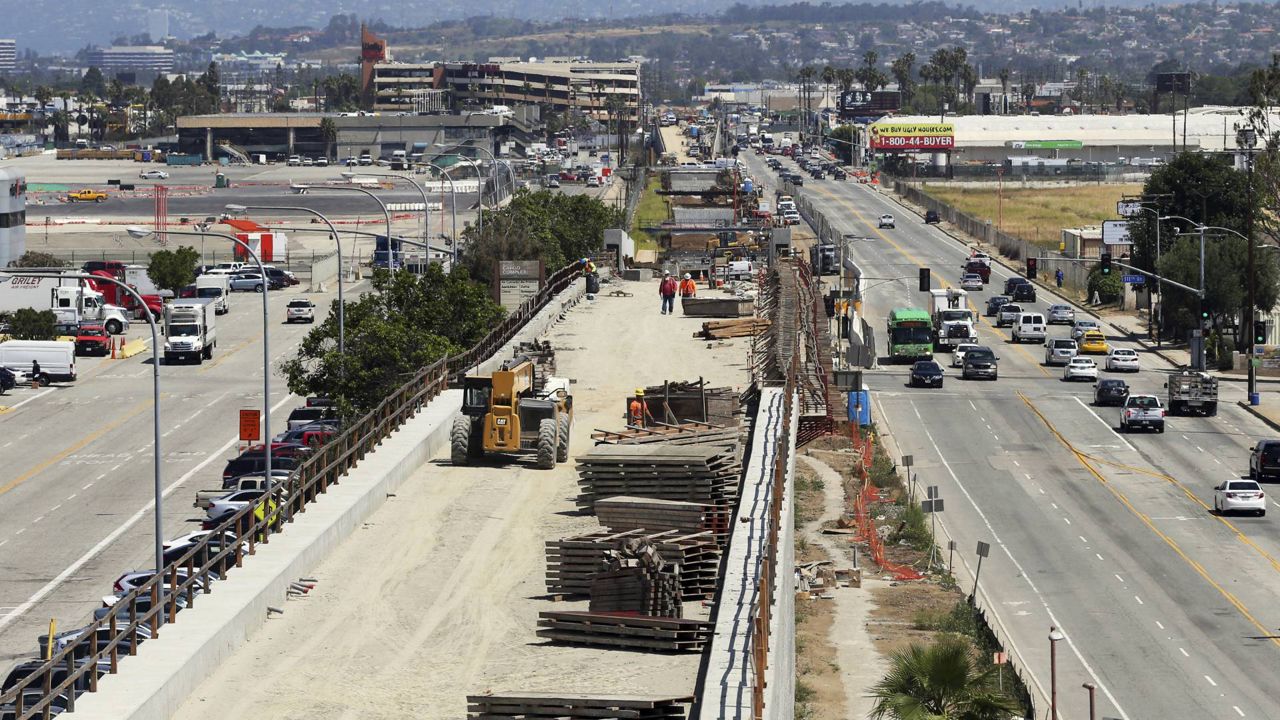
point(77, 485)
point(1109, 537)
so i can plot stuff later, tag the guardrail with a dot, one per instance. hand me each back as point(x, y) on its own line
point(76, 667)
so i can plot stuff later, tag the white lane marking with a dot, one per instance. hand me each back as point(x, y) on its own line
point(1055, 505)
point(1098, 556)
point(55, 507)
point(1015, 462)
point(1067, 520)
point(916, 411)
point(1105, 423)
point(144, 511)
point(2, 542)
point(1041, 490)
point(20, 532)
point(1238, 710)
point(1159, 625)
point(1184, 652)
point(1026, 475)
point(86, 487)
point(1217, 461)
point(72, 496)
point(33, 522)
point(1184, 437)
point(1119, 578)
point(1022, 573)
point(7, 444)
point(115, 467)
point(33, 397)
point(982, 418)
point(975, 407)
point(1082, 539)
point(1210, 680)
point(1199, 449)
point(1135, 597)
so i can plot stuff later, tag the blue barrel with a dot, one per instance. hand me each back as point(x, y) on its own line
point(860, 406)
point(747, 186)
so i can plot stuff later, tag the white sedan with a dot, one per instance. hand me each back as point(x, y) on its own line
point(957, 355)
point(1080, 368)
point(1122, 360)
point(886, 221)
point(153, 175)
point(971, 281)
point(1239, 496)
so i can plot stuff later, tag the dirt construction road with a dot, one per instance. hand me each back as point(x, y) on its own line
point(438, 595)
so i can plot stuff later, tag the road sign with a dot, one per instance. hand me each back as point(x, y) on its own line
point(249, 425)
point(1128, 208)
point(1134, 279)
point(933, 492)
point(984, 549)
point(934, 505)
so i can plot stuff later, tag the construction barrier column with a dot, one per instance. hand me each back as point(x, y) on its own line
point(291, 139)
point(208, 144)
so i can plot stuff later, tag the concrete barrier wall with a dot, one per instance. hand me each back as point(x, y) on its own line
point(167, 670)
point(780, 676)
point(324, 271)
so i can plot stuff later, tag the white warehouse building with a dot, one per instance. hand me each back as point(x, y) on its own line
point(13, 216)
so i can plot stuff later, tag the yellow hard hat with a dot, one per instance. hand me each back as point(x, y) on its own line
point(639, 392)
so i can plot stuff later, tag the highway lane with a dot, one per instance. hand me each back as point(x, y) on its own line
point(76, 488)
point(1192, 573)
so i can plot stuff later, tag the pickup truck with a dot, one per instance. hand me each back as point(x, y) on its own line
point(256, 481)
point(1192, 391)
point(1008, 314)
point(92, 340)
point(86, 196)
point(1142, 411)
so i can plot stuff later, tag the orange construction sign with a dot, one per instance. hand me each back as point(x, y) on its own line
point(250, 425)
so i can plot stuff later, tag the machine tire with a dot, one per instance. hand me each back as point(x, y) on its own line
point(562, 448)
point(113, 327)
point(460, 441)
point(257, 288)
point(1211, 409)
point(548, 441)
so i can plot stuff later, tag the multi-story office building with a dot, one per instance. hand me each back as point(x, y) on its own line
point(150, 58)
point(588, 87)
point(8, 55)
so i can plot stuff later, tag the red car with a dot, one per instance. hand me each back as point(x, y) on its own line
point(93, 340)
point(566, 176)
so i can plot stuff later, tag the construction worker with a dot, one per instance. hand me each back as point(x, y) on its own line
point(638, 410)
point(667, 289)
point(688, 288)
point(588, 266)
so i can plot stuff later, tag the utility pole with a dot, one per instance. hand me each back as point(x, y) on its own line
point(1248, 137)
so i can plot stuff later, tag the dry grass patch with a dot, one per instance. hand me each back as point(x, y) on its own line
point(819, 688)
point(1037, 214)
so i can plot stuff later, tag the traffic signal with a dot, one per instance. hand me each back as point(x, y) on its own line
point(1204, 313)
point(1259, 332)
point(924, 279)
point(1031, 268)
point(1106, 263)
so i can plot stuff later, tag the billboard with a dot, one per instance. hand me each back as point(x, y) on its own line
point(1115, 232)
point(1174, 82)
point(912, 136)
point(862, 102)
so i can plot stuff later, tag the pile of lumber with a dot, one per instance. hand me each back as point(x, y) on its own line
point(573, 562)
point(518, 705)
point(691, 473)
point(725, 329)
point(655, 515)
point(543, 357)
point(686, 401)
point(635, 578)
point(686, 433)
point(728, 306)
point(621, 630)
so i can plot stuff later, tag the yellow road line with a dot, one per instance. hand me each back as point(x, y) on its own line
point(916, 261)
point(126, 417)
point(1084, 461)
point(224, 355)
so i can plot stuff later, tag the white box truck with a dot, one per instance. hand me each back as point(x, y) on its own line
point(216, 288)
point(190, 331)
point(57, 359)
point(58, 293)
point(953, 320)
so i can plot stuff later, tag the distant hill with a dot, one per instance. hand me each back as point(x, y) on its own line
point(68, 25)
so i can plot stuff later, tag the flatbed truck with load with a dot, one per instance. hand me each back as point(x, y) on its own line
point(1192, 391)
point(953, 319)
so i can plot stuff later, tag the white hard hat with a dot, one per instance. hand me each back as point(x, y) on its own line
point(687, 276)
point(666, 272)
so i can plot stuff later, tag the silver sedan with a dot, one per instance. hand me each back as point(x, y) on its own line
point(1064, 314)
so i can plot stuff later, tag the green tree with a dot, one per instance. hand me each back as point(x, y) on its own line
point(404, 325)
point(93, 83)
point(843, 135)
point(329, 132)
point(1108, 288)
point(173, 269)
point(1206, 189)
point(903, 70)
point(30, 324)
point(552, 227)
point(37, 259)
point(940, 682)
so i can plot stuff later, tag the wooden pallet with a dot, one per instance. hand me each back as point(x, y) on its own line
point(521, 705)
point(726, 329)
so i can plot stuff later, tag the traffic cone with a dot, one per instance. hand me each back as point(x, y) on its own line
point(113, 348)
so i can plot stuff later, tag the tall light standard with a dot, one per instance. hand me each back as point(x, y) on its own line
point(1093, 706)
point(138, 232)
point(426, 213)
point(453, 205)
point(1247, 137)
point(342, 328)
point(353, 189)
point(493, 169)
point(155, 402)
point(1054, 637)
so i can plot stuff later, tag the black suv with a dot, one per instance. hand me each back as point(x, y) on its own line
point(1110, 392)
point(931, 217)
point(980, 362)
point(1264, 460)
point(1012, 283)
point(1024, 292)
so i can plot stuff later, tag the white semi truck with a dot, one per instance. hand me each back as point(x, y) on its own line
point(953, 320)
point(215, 288)
point(190, 330)
point(56, 293)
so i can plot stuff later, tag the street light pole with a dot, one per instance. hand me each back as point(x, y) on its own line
point(453, 206)
point(426, 213)
point(1248, 137)
point(1054, 637)
point(1093, 706)
point(155, 405)
point(342, 330)
point(351, 188)
point(142, 232)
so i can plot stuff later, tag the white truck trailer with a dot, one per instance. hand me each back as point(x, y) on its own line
point(216, 288)
point(59, 293)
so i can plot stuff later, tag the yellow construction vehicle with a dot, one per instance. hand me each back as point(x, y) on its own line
point(513, 411)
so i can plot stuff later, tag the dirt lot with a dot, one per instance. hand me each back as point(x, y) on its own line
point(438, 595)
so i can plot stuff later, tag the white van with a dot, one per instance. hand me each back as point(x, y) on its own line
point(1029, 327)
point(57, 359)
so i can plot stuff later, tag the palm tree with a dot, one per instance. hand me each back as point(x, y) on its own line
point(329, 132)
point(940, 682)
point(1004, 89)
point(829, 76)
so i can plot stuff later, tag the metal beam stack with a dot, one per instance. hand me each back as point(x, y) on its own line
point(691, 473)
point(519, 706)
point(656, 515)
point(573, 562)
point(621, 630)
point(634, 578)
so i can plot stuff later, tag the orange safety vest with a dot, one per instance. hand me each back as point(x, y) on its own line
point(688, 288)
point(638, 411)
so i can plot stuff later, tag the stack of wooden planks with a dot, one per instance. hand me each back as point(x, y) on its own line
point(522, 705)
point(543, 356)
point(684, 401)
point(726, 306)
point(691, 473)
point(634, 577)
point(621, 630)
point(726, 329)
point(573, 562)
point(655, 515)
point(688, 433)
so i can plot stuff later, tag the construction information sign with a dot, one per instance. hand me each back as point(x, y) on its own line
point(912, 136)
point(515, 281)
point(249, 422)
